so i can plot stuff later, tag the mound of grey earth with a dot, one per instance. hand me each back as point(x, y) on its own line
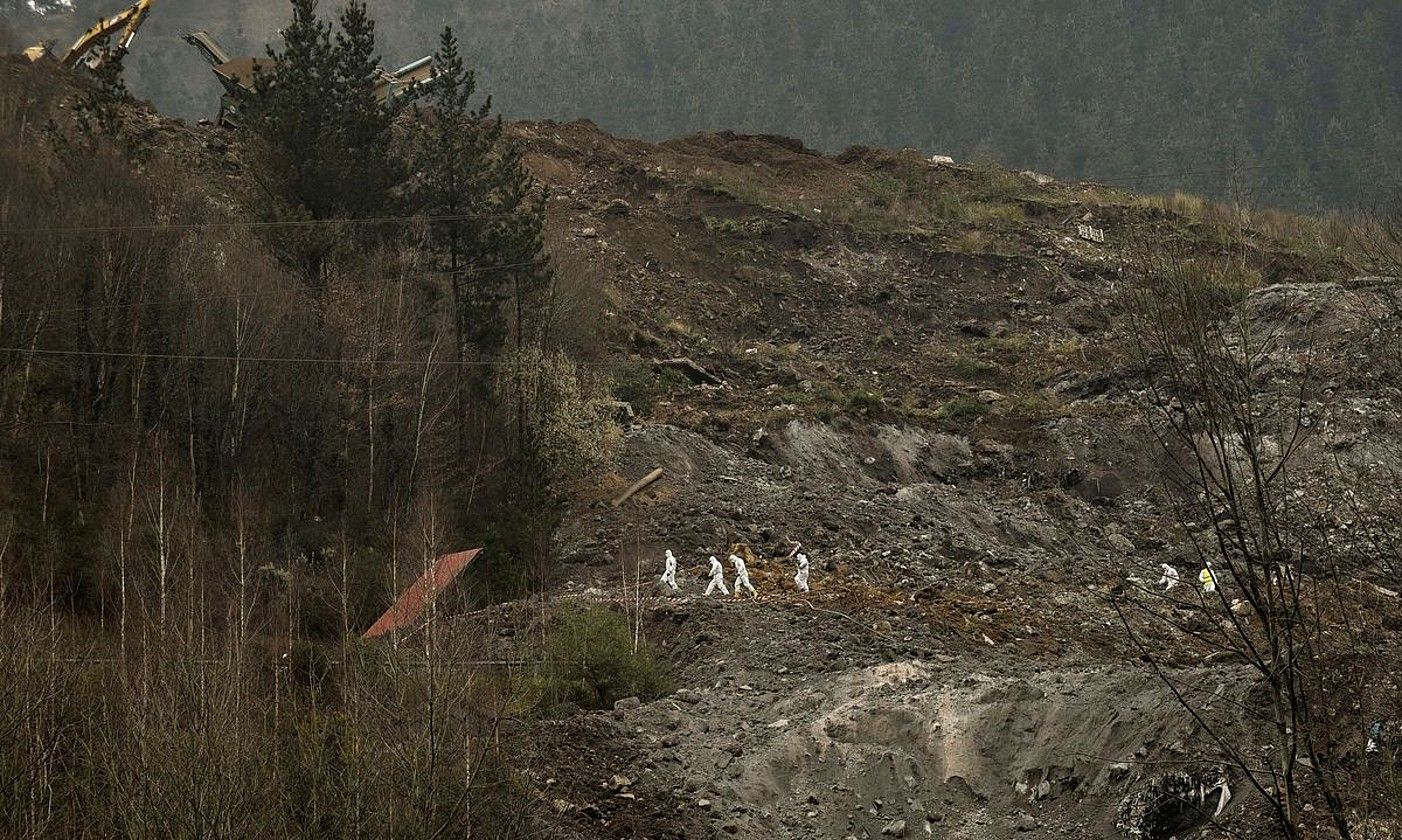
point(793, 724)
point(990, 694)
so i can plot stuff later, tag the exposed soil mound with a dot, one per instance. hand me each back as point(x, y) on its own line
point(780, 154)
point(777, 748)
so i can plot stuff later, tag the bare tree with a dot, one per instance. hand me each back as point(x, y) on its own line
point(1235, 405)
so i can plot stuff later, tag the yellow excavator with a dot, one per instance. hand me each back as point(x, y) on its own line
point(127, 21)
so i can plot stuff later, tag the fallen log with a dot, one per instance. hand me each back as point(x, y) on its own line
point(638, 485)
point(690, 369)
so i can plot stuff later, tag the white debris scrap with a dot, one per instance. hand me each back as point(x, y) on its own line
point(1090, 234)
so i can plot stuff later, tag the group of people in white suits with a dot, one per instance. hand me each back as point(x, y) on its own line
point(742, 574)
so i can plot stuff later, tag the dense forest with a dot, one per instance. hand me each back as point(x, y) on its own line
point(1269, 102)
point(219, 432)
point(399, 365)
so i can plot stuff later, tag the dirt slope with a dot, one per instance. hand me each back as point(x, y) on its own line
point(917, 370)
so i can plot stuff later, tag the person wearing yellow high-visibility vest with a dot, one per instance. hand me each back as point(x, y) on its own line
point(1207, 579)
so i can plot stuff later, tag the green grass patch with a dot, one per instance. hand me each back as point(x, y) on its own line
point(975, 369)
point(734, 188)
point(987, 212)
point(827, 401)
point(748, 228)
point(884, 191)
point(1032, 407)
point(864, 402)
point(1230, 287)
point(591, 661)
point(961, 411)
point(912, 197)
point(637, 383)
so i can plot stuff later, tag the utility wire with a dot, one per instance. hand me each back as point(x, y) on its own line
point(292, 360)
point(68, 310)
point(259, 223)
point(303, 223)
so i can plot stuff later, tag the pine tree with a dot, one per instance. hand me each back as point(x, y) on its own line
point(487, 218)
point(99, 107)
point(488, 210)
point(363, 169)
point(517, 235)
point(329, 139)
point(316, 109)
point(453, 161)
point(293, 105)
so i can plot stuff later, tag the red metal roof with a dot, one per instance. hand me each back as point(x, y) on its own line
point(421, 593)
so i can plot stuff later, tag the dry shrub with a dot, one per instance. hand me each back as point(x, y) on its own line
point(566, 412)
point(185, 738)
point(1254, 502)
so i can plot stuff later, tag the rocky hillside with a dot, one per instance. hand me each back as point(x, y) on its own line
point(921, 371)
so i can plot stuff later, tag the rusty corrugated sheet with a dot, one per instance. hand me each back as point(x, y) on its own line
point(420, 594)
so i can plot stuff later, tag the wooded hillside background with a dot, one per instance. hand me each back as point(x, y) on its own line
point(1268, 102)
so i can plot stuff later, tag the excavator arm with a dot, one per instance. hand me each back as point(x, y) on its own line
point(127, 21)
point(208, 47)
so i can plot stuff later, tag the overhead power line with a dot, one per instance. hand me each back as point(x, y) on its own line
point(213, 357)
point(175, 301)
point(257, 223)
point(293, 223)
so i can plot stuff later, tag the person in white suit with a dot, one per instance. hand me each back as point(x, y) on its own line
point(742, 576)
point(802, 577)
point(717, 578)
point(1169, 578)
point(669, 573)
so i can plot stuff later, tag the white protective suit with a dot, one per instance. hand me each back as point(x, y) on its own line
point(669, 574)
point(717, 578)
point(1170, 577)
point(802, 577)
point(742, 576)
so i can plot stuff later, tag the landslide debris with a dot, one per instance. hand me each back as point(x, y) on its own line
point(918, 370)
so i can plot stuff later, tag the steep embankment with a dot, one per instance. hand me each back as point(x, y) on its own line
point(920, 371)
